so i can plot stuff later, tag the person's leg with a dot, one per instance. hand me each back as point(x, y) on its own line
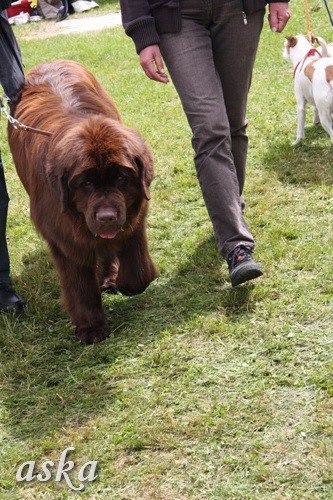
point(9, 299)
point(11, 67)
point(235, 44)
point(4, 257)
point(189, 58)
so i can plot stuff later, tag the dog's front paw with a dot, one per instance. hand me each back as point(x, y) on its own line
point(109, 285)
point(298, 141)
point(91, 335)
point(136, 286)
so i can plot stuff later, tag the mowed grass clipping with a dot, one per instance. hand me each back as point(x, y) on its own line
point(202, 391)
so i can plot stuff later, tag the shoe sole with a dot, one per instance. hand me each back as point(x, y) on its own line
point(17, 310)
point(245, 272)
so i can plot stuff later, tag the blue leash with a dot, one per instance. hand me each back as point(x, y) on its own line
point(328, 12)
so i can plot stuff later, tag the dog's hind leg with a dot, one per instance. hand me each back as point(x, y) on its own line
point(316, 120)
point(323, 97)
point(326, 121)
point(301, 115)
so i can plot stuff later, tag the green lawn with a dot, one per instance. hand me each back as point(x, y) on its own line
point(203, 391)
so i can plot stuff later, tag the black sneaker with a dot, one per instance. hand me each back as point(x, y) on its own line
point(242, 267)
point(10, 300)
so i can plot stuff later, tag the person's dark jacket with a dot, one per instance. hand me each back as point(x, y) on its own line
point(11, 67)
point(145, 20)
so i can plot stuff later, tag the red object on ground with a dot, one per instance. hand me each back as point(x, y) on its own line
point(17, 8)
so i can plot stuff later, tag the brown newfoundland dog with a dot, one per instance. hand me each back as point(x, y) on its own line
point(88, 185)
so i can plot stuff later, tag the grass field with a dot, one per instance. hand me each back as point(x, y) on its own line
point(203, 391)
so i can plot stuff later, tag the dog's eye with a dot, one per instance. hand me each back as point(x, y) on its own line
point(121, 178)
point(86, 184)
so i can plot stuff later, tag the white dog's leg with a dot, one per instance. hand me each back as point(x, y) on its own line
point(326, 121)
point(323, 99)
point(316, 120)
point(301, 115)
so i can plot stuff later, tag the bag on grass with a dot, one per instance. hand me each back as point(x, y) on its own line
point(49, 8)
point(83, 5)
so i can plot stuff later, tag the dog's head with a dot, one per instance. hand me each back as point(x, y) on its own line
point(289, 43)
point(298, 45)
point(101, 169)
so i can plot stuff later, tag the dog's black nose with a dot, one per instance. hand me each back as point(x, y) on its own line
point(106, 215)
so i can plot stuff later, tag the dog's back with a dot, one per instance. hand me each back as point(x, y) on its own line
point(72, 86)
point(56, 96)
point(316, 81)
point(58, 89)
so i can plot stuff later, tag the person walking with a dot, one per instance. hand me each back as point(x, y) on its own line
point(209, 49)
point(11, 79)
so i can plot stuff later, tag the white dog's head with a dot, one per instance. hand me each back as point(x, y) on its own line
point(288, 43)
point(296, 47)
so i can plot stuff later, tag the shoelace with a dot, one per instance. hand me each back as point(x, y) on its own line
point(240, 254)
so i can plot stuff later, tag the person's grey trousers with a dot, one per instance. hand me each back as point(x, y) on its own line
point(210, 62)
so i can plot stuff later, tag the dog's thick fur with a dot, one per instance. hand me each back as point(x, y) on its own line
point(88, 186)
point(313, 81)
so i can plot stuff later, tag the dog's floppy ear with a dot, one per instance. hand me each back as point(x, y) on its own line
point(145, 174)
point(58, 181)
point(145, 163)
point(292, 41)
point(64, 190)
point(142, 156)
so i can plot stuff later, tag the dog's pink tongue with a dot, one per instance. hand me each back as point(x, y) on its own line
point(109, 235)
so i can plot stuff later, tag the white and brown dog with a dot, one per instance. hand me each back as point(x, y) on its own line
point(313, 75)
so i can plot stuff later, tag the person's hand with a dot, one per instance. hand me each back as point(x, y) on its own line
point(152, 63)
point(279, 15)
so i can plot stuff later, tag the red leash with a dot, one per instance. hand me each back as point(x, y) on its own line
point(312, 52)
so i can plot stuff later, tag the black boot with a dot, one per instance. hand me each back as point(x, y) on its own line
point(10, 300)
